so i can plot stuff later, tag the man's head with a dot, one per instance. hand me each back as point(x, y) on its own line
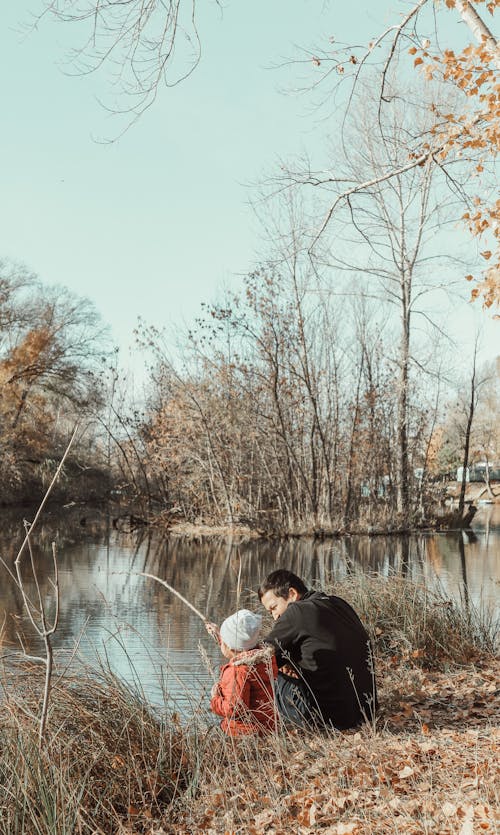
point(279, 589)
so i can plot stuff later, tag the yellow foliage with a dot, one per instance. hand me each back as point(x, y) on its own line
point(474, 71)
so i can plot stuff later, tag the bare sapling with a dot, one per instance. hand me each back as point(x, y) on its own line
point(44, 626)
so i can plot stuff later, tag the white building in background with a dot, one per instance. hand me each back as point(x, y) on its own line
point(480, 471)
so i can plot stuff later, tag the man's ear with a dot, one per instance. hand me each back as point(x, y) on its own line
point(293, 595)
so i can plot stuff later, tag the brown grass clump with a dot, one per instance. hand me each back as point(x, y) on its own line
point(106, 757)
point(405, 619)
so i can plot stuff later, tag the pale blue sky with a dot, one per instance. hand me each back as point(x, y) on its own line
point(153, 224)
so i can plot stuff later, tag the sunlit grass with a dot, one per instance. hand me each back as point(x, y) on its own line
point(406, 618)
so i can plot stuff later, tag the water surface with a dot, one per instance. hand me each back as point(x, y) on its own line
point(153, 640)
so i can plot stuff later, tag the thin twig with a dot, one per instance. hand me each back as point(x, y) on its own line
point(47, 494)
point(174, 591)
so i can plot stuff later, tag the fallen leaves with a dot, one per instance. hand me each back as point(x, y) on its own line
point(409, 777)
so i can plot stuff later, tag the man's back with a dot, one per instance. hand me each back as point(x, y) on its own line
point(323, 638)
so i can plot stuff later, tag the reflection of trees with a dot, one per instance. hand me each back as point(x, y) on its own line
point(463, 566)
point(385, 554)
point(83, 555)
point(434, 554)
point(62, 525)
point(99, 575)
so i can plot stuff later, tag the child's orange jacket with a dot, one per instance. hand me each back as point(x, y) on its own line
point(245, 697)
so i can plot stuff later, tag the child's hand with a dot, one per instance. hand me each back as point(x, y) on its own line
point(214, 691)
point(289, 671)
point(213, 630)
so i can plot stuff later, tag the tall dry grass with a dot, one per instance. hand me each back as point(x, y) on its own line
point(106, 755)
point(404, 617)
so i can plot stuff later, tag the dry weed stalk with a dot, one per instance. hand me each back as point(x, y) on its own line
point(37, 613)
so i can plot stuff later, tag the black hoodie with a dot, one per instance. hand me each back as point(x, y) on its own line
point(324, 639)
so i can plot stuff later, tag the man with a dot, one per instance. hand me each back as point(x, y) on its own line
point(323, 651)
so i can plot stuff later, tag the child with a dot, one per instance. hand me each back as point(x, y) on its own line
point(244, 694)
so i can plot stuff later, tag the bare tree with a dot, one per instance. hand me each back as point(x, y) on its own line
point(384, 240)
point(37, 611)
point(147, 44)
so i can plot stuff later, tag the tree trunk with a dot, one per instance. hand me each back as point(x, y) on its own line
point(350, 463)
point(478, 28)
point(470, 417)
point(402, 486)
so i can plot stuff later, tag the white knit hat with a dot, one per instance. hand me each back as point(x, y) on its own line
point(241, 630)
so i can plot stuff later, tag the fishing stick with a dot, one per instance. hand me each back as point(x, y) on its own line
point(178, 594)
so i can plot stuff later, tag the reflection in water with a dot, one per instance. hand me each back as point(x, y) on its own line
point(150, 638)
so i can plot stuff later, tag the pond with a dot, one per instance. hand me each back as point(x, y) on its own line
point(151, 639)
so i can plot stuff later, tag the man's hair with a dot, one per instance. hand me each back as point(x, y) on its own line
point(280, 582)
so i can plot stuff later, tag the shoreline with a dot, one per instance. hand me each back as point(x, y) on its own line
point(128, 518)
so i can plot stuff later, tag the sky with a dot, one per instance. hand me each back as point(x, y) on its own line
point(159, 220)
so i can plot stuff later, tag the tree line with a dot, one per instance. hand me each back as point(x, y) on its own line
point(285, 417)
point(278, 409)
point(51, 343)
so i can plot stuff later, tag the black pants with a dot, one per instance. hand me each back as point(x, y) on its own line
point(296, 704)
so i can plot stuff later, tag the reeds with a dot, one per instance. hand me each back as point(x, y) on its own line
point(107, 757)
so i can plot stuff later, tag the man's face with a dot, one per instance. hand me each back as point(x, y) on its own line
point(277, 605)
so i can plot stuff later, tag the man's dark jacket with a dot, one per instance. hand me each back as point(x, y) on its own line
point(324, 639)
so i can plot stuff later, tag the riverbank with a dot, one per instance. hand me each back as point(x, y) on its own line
point(90, 515)
point(442, 519)
point(111, 765)
point(110, 768)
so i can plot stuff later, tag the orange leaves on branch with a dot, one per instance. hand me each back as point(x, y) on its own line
point(29, 357)
point(486, 220)
point(474, 71)
point(489, 287)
